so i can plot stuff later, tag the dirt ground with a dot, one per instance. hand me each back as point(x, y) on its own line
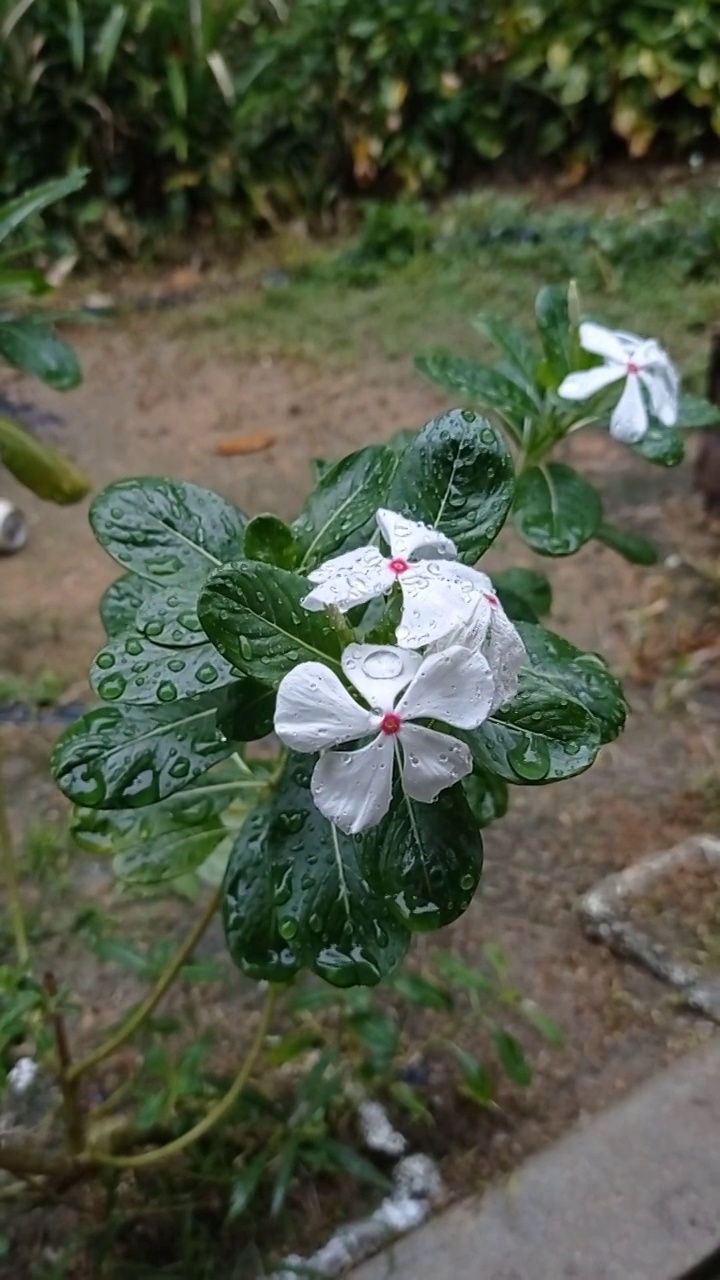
point(155, 402)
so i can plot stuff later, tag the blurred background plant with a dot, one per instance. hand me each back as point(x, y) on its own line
point(250, 110)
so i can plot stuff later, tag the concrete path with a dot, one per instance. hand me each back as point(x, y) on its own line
point(632, 1195)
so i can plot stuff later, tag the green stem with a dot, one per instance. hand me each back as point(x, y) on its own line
point(10, 873)
point(213, 1116)
point(145, 1008)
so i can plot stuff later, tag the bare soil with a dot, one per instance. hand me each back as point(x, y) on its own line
point(154, 401)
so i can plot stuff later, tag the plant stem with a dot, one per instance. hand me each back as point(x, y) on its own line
point(69, 1086)
point(145, 1008)
point(10, 875)
point(215, 1113)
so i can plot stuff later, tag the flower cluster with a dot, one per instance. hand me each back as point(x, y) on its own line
point(456, 660)
point(650, 380)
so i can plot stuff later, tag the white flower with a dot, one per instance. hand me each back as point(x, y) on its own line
point(353, 788)
point(644, 366)
point(489, 631)
point(436, 588)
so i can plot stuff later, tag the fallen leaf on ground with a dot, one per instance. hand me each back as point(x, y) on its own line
point(244, 444)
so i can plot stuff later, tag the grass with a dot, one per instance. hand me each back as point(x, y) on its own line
point(388, 294)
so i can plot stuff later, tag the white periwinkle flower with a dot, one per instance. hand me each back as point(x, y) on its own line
point(436, 588)
point(488, 630)
point(315, 712)
point(644, 366)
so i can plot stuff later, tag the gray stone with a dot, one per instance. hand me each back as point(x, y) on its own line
point(632, 1195)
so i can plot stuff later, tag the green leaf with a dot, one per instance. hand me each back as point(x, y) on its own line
point(29, 345)
point(420, 992)
point(426, 859)
point(585, 677)
point(269, 539)
point(556, 335)
point(177, 86)
point(696, 411)
point(487, 796)
point(661, 445)
point(45, 472)
point(556, 511)
point(548, 1028)
point(171, 532)
point(175, 837)
point(513, 1060)
point(109, 38)
point(519, 353)
point(121, 602)
point(249, 906)
point(631, 546)
point(245, 1185)
point(248, 710)
point(341, 1156)
point(254, 616)
point(335, 923)
point(479, 385)
point(76, 34)
point(457, 476)
point(477, 1083)
point(339, 514)
point(400, 439)
point(169, 617)
point(130, 668)
point(525, 594)
point(127, 757)
point(541, 736)
point(38, 198)
point(379, 1035)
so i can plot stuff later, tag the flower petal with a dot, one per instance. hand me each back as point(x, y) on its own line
point(437, 594)
point(353, 788)
point(505, 654)
point(408, 537)
point(432, 761)
point(629, 420)
point(454, 686)
point(611, 344)
point(470, 629)
point(380, 672)
point(586, 382)
point(349, 579)
point(314, 710)
point(662, 385)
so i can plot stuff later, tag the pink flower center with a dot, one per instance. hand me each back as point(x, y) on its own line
point(398, 565)
point(632, 367)
point(490, 599)
point(390, 723)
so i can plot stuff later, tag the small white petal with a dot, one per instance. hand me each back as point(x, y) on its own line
point(454, 686)
point(314, 711)
point(629, 420)
point(349, 579)
point(353, 788)
point(586, 382)
point(380, 672)
point(661, 385)
point(611, 344)
point(437, 594)
point(505, 654)
point(408, 537)
point(470, 629)
point(432, 761)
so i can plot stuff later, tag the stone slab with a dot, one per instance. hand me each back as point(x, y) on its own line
point(633, 1194)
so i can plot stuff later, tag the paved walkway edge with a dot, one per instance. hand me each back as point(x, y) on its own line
point(633, 1194)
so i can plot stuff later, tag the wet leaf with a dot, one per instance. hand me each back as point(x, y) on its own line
point(120, 604)
point(585, 677)
point(132, 669)
point(340, 512)
point(31, 346)
point(631, 546)
point(556, 511)
point(457, 476)
point(473, 383)
point(171, 532)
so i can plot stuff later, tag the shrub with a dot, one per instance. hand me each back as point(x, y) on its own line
point(177, 107)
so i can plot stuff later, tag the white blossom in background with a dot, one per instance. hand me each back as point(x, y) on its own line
point(646, 369)
point(353, 788)
point(435, 587)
